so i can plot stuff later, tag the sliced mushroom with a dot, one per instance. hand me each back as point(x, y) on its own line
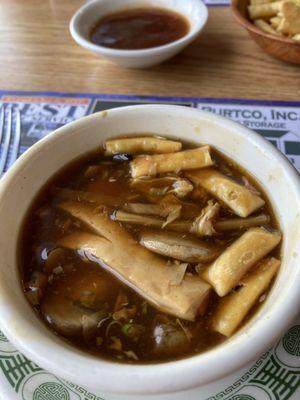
point(168, 337)
point(177, 246)
point(55, 259)
point(75, 305)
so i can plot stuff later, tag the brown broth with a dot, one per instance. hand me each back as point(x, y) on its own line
point(139, 28)
point(67, 283)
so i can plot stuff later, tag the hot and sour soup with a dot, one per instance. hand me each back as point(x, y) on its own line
point(149, 250)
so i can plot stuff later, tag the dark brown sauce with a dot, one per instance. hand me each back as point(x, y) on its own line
point(139, 28)
point(71, 278)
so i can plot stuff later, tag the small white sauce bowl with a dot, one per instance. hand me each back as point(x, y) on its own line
point(37, 165)
point(85, 18)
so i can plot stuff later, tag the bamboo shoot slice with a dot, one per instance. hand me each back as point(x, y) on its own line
point(173, 162)
point(234, 307)
point(161, 210)
point(138, 267)
point(242, 223)
point(154, 222)
point(228, 269)
point(138, 145)
point(237, 197)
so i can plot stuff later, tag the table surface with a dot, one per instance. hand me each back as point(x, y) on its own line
point(38, 53)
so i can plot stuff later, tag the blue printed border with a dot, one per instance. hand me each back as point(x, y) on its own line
point(179, 99)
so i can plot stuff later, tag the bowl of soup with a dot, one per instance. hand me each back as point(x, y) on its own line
point(162, 256)
point(138, 34)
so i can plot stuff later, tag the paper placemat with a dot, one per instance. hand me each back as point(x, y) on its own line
point(276, 374)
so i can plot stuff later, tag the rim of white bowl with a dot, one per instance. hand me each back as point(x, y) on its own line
point(73, 365)
point(81, 40)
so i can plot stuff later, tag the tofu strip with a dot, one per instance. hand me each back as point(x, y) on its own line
point(173, 162)
point(141, 145)
point(147, 273)
point(237, 197)
point(234, 307)
point(228, 269)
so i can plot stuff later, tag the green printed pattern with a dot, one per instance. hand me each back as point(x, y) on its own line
point(49, 391)
point(2, 337)
point(16, 368)
point(291, 341)
point(280, 381)
point(269, 378)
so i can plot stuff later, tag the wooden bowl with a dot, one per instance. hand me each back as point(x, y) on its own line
point(283, 48)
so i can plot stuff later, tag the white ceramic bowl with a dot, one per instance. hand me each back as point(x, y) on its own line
point(194, 10)
point(22, 182)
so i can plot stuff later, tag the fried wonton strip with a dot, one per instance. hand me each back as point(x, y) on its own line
point(237, 197)
point(275, 21)
point(261, 11)
point(255, 2)
point(228, 269)
point(147, 273)
point(241, 223)
point(173, 162)
point(141, 145)
point(234, 307)
point(290, 22)
point(264, 26)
